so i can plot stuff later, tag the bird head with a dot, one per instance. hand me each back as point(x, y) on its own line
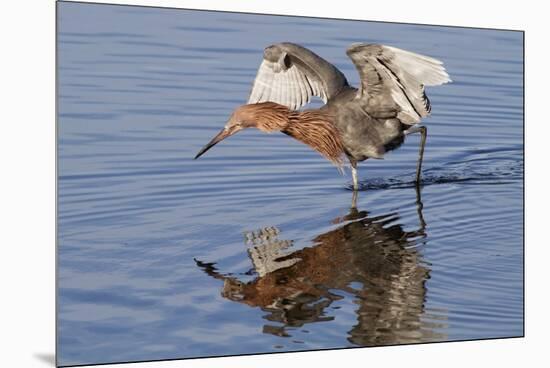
point(266, 116)
point(233, 126)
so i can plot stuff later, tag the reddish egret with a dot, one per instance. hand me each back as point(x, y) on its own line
point(360, 123)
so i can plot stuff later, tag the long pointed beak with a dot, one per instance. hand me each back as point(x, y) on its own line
point(224, 133)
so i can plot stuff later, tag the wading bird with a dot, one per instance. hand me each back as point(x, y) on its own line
point(358, 123)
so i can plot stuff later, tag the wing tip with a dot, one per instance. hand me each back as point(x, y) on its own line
point(440, 78)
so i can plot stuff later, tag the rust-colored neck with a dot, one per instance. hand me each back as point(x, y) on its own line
point(312, 127)
point(266, 116)
point(315, 128)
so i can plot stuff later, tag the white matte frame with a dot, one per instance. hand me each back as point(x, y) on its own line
point(28, 181)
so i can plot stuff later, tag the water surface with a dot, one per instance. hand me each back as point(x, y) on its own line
point(256, 247)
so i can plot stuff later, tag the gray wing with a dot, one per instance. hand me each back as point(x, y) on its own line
point(393, 80)
point(291, 74)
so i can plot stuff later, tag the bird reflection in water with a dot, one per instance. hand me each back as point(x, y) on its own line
point(370, 258)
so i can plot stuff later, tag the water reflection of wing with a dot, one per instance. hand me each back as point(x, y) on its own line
point(372, 259)
point(266, 251)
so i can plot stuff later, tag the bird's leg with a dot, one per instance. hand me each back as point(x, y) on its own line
point(354, 176)
point(423, 134)
point(355, 180)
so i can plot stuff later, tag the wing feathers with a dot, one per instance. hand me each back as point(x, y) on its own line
point(391, 75)
point(291, 74)
point(426, 70)
point(391, 79)
point(304, 87)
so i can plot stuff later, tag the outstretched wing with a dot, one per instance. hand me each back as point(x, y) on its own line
point(291, 74)
point(393, 80)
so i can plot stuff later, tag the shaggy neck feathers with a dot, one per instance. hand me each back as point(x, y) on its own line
point(313, 127)
point(317, 131)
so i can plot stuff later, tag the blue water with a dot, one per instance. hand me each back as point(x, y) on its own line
point(255, 247)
